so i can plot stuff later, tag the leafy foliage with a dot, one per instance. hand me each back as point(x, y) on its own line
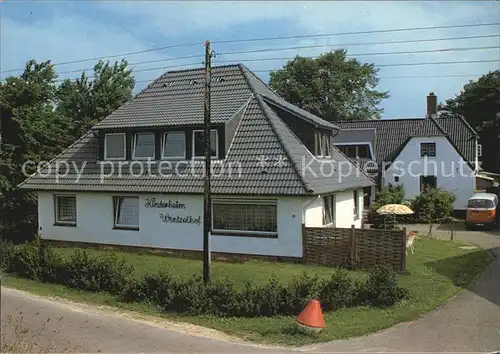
point(479, 103)
point(381, 289)
point(331, 86)
point(393, 194)
point(40, 119)
point(433, 205)
point(191, 296)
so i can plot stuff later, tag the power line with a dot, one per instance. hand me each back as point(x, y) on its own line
point(274, 59)
point(381, 78)
point(267, 39)
point(296, 47)
point(356, 44)
point(381, 53)
point(357, 32)
point(142, 70)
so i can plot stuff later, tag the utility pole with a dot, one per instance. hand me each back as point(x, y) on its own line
point(207, 210)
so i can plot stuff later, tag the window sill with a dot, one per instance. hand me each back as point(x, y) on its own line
point(245, 234)
point(65, 224)
point(125, 228)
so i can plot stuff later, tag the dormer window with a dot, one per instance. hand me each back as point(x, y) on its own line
point(144, 146)
point(323, 143)
point(114, 146)
point(174, 145)
point(355, 151)
point(199, 144)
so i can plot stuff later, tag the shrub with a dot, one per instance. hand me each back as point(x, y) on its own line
point(433, 205)
point(337, 292)
point(26, 261)
point(6, 254)
point(381, 288)
point(190, 297)
point(223, 298)
point(248, 301)
point(99, 273)
point(270, 298)
point(299, 292)
point(155, 288)
point(52, 266)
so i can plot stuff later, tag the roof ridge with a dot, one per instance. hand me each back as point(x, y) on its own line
point(441, 129)
point(200, 68)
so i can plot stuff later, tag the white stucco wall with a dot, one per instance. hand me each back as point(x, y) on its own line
point(452, 175)
point(95, 225)
point(344, 206)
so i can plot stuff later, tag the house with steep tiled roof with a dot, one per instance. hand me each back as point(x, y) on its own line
point(433, 151)
point(137, 177)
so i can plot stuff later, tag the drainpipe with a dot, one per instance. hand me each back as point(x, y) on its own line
point(308, 203)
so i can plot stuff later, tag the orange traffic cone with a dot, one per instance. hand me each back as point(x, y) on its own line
point(311, 318)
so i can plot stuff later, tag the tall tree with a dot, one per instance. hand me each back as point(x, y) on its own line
point(330, 86)
point(40, 119)
point(87, 101)
point(31, 130)
point(479, 104)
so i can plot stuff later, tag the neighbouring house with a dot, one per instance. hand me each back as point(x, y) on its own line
point(136, 178)
point(434, 151)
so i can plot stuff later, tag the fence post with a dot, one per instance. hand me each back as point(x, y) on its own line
point(304, 243)
point(353, 245)
point(452, 227)
point(403, 249)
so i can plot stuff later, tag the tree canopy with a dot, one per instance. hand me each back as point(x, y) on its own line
point(40, 119)
point(479, 104)
point(330, 86)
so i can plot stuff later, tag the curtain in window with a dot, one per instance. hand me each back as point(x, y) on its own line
point(127, 211)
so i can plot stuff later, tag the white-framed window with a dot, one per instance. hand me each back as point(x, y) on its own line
point(65, 209)
point(428, 149)
point(174, 145)
point(126, 212)
point(355, 195)
point(244, 217)
point(479, 150)
point(328, 209)
point(144, 146)
point(199, 143)
point(114, 146)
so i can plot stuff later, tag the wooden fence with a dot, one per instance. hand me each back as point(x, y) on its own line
point(360, 248)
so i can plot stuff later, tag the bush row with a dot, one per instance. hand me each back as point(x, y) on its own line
point(191, 296)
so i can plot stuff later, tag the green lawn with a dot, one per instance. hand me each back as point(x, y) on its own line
point(257, 271)
point(437, 271)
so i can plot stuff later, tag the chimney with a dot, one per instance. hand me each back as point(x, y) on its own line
point(431, 105)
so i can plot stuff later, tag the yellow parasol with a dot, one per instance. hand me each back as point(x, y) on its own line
point(394, 209)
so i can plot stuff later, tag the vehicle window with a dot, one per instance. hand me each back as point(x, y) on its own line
point(480, 203)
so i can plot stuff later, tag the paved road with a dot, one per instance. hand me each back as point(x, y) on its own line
point(79, 328)
point(468, 323)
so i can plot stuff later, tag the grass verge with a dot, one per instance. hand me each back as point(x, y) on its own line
point(437, 271)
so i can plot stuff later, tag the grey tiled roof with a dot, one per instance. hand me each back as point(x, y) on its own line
point(392, 134)
point(253, 132)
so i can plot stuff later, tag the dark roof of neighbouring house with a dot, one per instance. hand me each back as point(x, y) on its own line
point(391, 135)
point(176, 98)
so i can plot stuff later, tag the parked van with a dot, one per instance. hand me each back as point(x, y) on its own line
point(482, 210)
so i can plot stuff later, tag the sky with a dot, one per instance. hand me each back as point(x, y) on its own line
point(63, 31)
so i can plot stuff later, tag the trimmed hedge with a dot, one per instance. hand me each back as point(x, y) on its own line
point(191, 296)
